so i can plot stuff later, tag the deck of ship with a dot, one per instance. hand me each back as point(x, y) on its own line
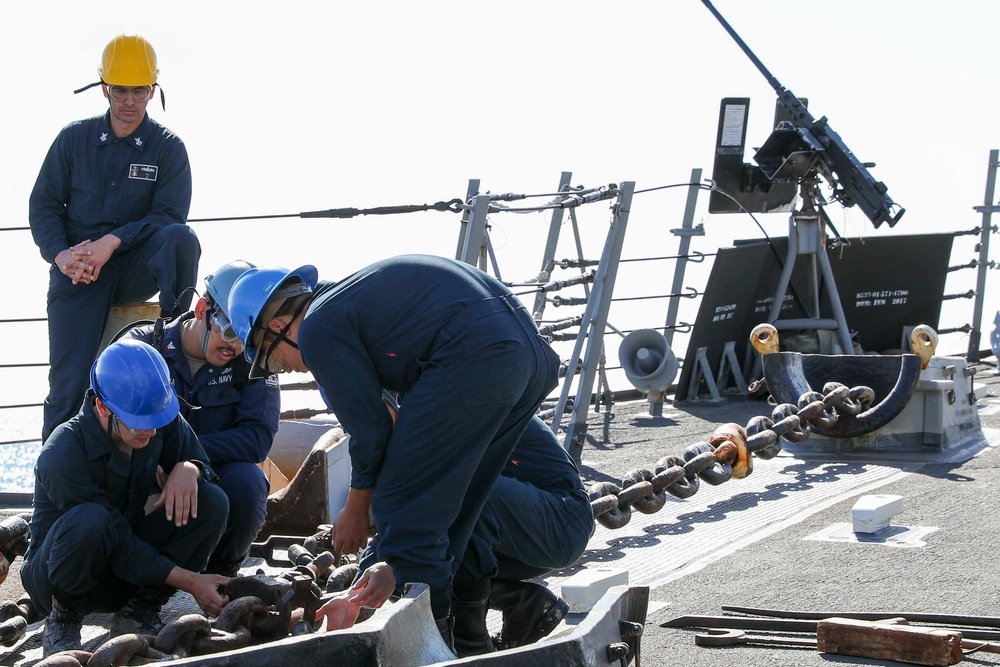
point(769, 540)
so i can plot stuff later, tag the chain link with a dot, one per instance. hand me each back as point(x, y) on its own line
point(261, 608)
point(726, 455)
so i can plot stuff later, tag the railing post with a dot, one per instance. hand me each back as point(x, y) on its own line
point(987, 209)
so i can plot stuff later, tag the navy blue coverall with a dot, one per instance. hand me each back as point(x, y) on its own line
point(472, 369)
point(537, 519)
point(236, 420)
point(90, 536)
point(91, 184)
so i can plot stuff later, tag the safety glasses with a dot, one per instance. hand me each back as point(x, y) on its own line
point(118, 424)
point(222, 326)
point(138, 93)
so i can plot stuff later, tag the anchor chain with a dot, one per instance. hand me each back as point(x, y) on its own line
point(728, 453)
point(261, 608)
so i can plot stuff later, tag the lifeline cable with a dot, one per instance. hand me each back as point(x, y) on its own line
point(452, 205)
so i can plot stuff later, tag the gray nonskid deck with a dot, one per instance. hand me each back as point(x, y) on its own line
point(743, 542)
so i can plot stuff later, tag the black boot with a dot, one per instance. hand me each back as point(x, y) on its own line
point(470, 632)
point(141, 614)
point(62, 626)
point(444, 626)
point(530, 611)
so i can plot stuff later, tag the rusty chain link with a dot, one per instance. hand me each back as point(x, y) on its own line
point(726, 455)
point(261, 608)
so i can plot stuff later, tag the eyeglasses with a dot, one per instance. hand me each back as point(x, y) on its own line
point(273, 365)
point(119, 424)
point(138, 93)
point(222, 326)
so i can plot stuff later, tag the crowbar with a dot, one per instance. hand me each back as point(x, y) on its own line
point(791, 625)
point(914, 617)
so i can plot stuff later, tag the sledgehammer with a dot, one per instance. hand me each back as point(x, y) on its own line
point(884, 640)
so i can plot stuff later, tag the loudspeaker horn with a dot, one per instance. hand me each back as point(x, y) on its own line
point(647, 360)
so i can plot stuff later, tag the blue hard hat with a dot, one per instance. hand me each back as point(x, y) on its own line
point(250, 295)
point(218, 283)
point(132, 379)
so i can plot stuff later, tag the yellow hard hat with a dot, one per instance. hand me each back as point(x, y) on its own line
point(129, 60)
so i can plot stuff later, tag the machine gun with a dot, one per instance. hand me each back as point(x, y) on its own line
point(811, 145)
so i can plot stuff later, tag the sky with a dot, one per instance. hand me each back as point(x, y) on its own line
point(295, 106)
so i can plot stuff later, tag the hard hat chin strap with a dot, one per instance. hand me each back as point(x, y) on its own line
point(208, 334)
point(87, 87)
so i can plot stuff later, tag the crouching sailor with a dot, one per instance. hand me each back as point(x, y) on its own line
point(125, 511)
point(536, 519)
point(235, 418)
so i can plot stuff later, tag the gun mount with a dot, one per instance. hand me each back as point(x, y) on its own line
point(800, 149)
point(799, 153)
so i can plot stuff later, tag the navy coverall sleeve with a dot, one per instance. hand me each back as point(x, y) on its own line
point(47, 204)
point(332, 349)
point(181, 444)
point(250, 437)
point(64, 474)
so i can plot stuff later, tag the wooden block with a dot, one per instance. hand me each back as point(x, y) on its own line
point(885, 641)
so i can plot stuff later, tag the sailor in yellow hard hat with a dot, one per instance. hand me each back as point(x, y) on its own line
point(109, 213)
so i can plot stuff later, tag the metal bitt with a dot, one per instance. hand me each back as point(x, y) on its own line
point(595, 320)
point(987, 209)
point(892, 378)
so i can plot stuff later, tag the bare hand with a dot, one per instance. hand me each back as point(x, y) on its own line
point(374, 587)
point(350, 530)
point(205, 591)
point(339, 612)
point(101, 251)
point(204, 588)
point(74, 263)
point(180, 493)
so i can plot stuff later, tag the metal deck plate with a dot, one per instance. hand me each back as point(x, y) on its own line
point(890, 536)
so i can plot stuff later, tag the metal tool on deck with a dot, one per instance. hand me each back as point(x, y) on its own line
point(738, 637)
point(795, 625)
point(911, 617)
point(881, 635)
point(890, 639)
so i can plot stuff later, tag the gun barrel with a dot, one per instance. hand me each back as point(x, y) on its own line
point(746, 49)
point(856, 183)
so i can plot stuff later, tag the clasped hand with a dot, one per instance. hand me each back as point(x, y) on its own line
point(82, 262)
